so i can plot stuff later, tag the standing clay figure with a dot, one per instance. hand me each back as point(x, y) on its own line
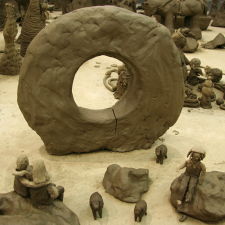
point(195, 72)
point(96, 204)
point(23, 169)
point(193, 176)
point(10, 61)
point(207, 95)
point(140, 210)
point(161, 153)
point(34, 21)
point(180, 41)
point(42, 191)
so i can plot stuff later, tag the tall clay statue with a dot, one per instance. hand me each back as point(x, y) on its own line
point(10, 61)
point(194, 175)
point(34, 22)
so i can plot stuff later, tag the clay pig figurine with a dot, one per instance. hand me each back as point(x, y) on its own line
point(140, 210)
point(161, 153)
point(96, 204)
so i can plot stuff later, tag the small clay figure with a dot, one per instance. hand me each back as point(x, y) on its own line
point(161, 153)
point(96, 204)
point(23, 169)
point(42, 191)
point(140, 210)
point(193, 176)
point(190, 99)
point(207, 95)
point(214, 73)
point(195, 72)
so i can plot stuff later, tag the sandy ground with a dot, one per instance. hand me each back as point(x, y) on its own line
point(82, 174)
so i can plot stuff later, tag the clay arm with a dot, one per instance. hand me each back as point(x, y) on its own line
point(202, 174)
point(21, 173)
point(182, 166)
point(31, 184)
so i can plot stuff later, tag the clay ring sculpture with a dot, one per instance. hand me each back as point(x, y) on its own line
point(151, 105)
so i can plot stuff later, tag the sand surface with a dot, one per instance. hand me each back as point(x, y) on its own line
point(82, 174)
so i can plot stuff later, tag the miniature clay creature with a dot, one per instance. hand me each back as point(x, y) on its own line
point(214, 74)
point(180, 41)
point(42, 191)
point(96, 204)
point(23, 169)
point(193, 176)
point(10, 61)
point(195, 72)
point(140, 210)
point(207, 95)
point(34, 21)
point(161, 153)
point(190, 99)
point(168, 9)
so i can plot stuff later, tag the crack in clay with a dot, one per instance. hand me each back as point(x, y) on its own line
point(115, 120)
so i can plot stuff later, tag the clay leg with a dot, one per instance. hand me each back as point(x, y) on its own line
point(195, 27)
point(135, 217)
point(169, 22)
point(100, 212)
point(183, 187)
point(161, 160)
point(94, 214)
point(191, 189)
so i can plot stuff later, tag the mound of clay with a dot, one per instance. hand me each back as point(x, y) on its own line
point(217, 42)
point(126, 184)
point(191, 45)
point(17, 210)
point(208, 203)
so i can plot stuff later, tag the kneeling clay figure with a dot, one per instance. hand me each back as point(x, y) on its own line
point(96, 204)
point(126, 184)
point(140, 210)
point(161, 153)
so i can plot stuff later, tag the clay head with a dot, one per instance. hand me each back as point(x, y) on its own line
point(196, 153)
point(179, 39)
point(195, 63)
point(208, 82)
point(40, 174)
point(22, 162)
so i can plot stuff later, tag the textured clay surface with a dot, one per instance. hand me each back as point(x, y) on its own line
point(208, 203)
point(153, 100)
point(16, 210)
point(126, 184)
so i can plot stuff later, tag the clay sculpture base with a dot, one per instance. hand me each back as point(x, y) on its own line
point(16, 210)
point(208, 202)
point(143, 113)
point(126, 184)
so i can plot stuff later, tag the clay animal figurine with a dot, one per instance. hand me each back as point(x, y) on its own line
point(161, 153)
point(167, 9)
point(207, 95)
point(193, 176)
point(96, 204)
point(140, 210)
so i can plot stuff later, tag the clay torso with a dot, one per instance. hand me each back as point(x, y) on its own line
point(193, 169)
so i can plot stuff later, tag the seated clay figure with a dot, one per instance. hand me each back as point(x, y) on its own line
point(193, 176)
point(23, 169)
point(190, 99)
point(42, 191)
point(207, 95)
point(193, 76)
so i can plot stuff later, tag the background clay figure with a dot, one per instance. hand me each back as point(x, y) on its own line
point(195, 72)
point(207, 95)
point(23, 169)
point(193, 175)
point(96, 204)
point(140, 210)
point(161, 153)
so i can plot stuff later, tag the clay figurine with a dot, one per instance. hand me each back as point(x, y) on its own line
point(208, 95)
point(96, 204)
point(140, 210)
point(214, 74)
point(190, 99)
point(161, 153)
point(193, 176)
point(193, 76)
point(23, 169)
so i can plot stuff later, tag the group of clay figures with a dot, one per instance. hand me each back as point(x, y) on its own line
point(34, 182)
point(195, 77)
